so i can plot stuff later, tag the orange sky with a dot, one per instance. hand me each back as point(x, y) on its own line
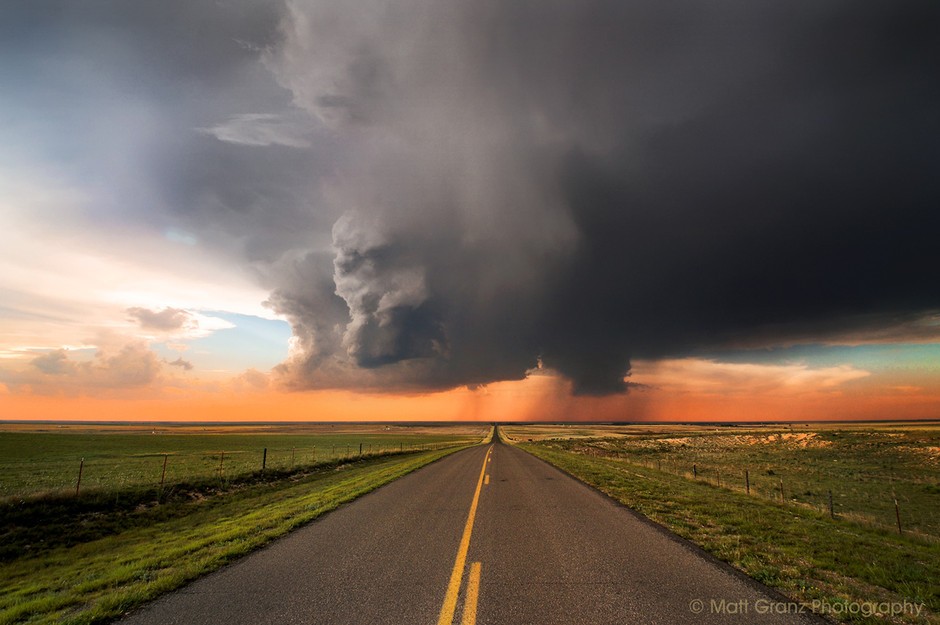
point(673, 390)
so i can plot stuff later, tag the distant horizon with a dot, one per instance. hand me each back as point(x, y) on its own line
point(446, 423)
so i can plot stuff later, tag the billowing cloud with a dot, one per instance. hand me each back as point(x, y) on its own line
point(129, 366)
point(54, 363)
point(386, 300)
point(600, 181)
point(444, 194)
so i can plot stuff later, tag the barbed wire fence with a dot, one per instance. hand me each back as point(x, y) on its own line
point(887, 506)
point(163, 469)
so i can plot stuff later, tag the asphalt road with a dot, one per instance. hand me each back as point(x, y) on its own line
point(489, 535)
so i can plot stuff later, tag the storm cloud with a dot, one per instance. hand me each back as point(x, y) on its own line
point(591, 182)
point(454, 193)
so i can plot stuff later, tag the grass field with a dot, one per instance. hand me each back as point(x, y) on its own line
point(790, 543)
point(89, 558)
point(46, 458)
point(866, 468)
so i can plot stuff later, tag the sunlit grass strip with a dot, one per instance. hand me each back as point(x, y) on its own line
point(97, 581)
point(801, 552)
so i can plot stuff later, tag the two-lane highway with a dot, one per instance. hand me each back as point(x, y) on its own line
point(553, 550)
point(489, 535)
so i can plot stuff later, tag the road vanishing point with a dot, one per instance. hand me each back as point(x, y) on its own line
point(489, 535)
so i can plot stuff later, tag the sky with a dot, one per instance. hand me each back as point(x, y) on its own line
point(499, 210)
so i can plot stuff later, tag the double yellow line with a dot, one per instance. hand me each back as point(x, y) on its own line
point(456, 577)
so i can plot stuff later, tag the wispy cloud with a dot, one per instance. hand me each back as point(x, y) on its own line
point(261, 129)
point(700, 376)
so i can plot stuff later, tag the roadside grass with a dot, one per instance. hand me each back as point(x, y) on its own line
point(797, 550)
point(147, 550)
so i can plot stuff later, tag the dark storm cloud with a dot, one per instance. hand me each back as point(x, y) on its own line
point(799, 201)
point(157, 44)
point(594, 181)
point(444, 193)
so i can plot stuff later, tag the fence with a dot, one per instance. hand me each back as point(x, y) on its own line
point(162, 469)
point(907, 506)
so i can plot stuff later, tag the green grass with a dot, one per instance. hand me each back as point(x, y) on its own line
point(117, 458)
point(134, 551)
point(789, 546)
point(865, 467)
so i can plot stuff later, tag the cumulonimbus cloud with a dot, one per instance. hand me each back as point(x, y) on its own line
point(597, 181)
point(466, 188)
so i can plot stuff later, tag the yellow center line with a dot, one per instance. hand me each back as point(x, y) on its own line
point(453, 588)
point(487, 480)
point(473, 592)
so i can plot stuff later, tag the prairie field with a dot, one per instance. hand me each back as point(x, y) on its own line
point(866, 467)
point(44, 459)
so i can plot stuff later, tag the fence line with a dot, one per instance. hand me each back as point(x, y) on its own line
point(160, 470)
point(768, 490)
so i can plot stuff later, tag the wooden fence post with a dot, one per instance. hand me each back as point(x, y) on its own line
point(264, 459)
point(78, 484)
point(832, 513)
point(897, 514)
point(163, 475)
point(747, 481)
